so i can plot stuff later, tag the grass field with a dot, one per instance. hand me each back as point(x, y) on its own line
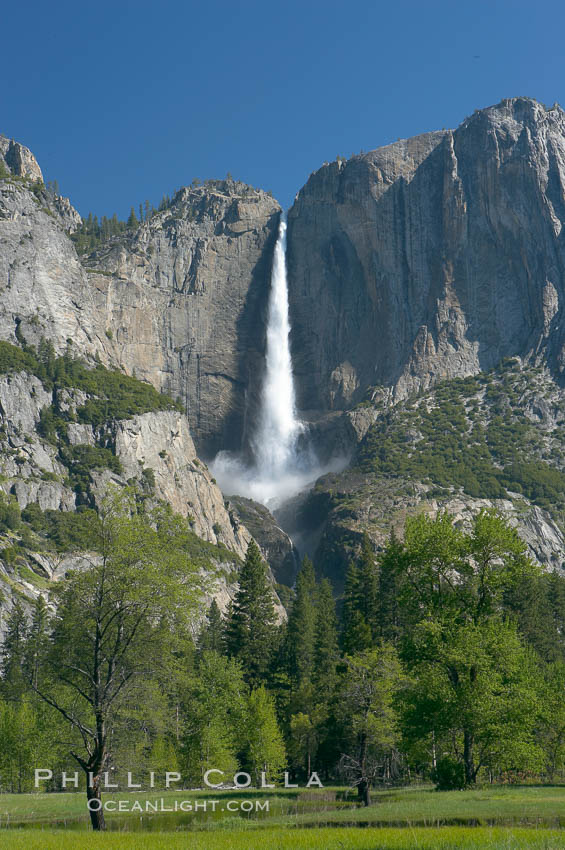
point(447, 838)
point(495, 817)
point(490, 805)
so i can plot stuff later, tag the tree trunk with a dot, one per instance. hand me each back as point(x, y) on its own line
point(364, 792)
point(363, 788)
point(95, 808)
point(468, 758)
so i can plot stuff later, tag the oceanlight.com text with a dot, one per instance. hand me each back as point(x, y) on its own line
point(165, 806)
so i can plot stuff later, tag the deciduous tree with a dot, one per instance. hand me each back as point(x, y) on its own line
point(112, 623)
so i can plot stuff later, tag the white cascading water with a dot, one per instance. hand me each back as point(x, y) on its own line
point(274, 442)
point(279, 469)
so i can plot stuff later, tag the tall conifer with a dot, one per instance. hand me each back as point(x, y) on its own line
point(302, 625)
point(326, 650)
point(211, 636)
point(13, 682)
point(355, 633)
point(251, 631)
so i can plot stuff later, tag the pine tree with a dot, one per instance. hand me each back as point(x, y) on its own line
point(132, 219)
point(13, 683)
point(302, 625)
point(355, 633)
point(211, 636)
point(36, 639)
point(368, 591)
point(251, 630)
point(326, 652)
point(390, 625)
point(46, 356)
point(537, 602)
point(555, 595)
point(325, 681)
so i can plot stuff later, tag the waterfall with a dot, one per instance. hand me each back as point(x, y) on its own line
point(280, 466)
point(274, 442)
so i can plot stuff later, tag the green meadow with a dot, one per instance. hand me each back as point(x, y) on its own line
point(496, 817)
point(450, 838)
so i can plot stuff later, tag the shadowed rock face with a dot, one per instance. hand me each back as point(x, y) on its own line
point(433, 257)
point(185, 297)
point(277, 547)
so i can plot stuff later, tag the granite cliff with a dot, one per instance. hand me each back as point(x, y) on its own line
point(426, 261)
point(48, 471)
point(184, 299)
point(179, 300)
point(431, 258)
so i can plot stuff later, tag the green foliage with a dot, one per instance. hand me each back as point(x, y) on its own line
point(114, 395)
point(82, 458)
point(211, 638)
point(119, 396)
point(477, 690)
point(550, 731)
point(537, 604)
point(65, 530)
point(538, 481)
point(95, 232)
point(9, 554)
point(360, 603)
point(356, 632)
point(251, 627)
point(111, 395)
point(51, 426)
point(475, 684)
point(26, 741)
point(13, 359)
point(440, 439)
point(302, 625)
point(10, 516)
point(370, 728)
point(449, 774)
point(214, 712)
point(326, 652)
point(445, 572)
point(116, 623)
point(13, 653)
point(461, 663)
point(264, 745)
point(447, 453)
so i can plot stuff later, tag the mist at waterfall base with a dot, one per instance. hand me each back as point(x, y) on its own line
point(283, 461)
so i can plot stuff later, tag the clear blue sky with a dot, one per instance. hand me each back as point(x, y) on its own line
point(123, 101)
